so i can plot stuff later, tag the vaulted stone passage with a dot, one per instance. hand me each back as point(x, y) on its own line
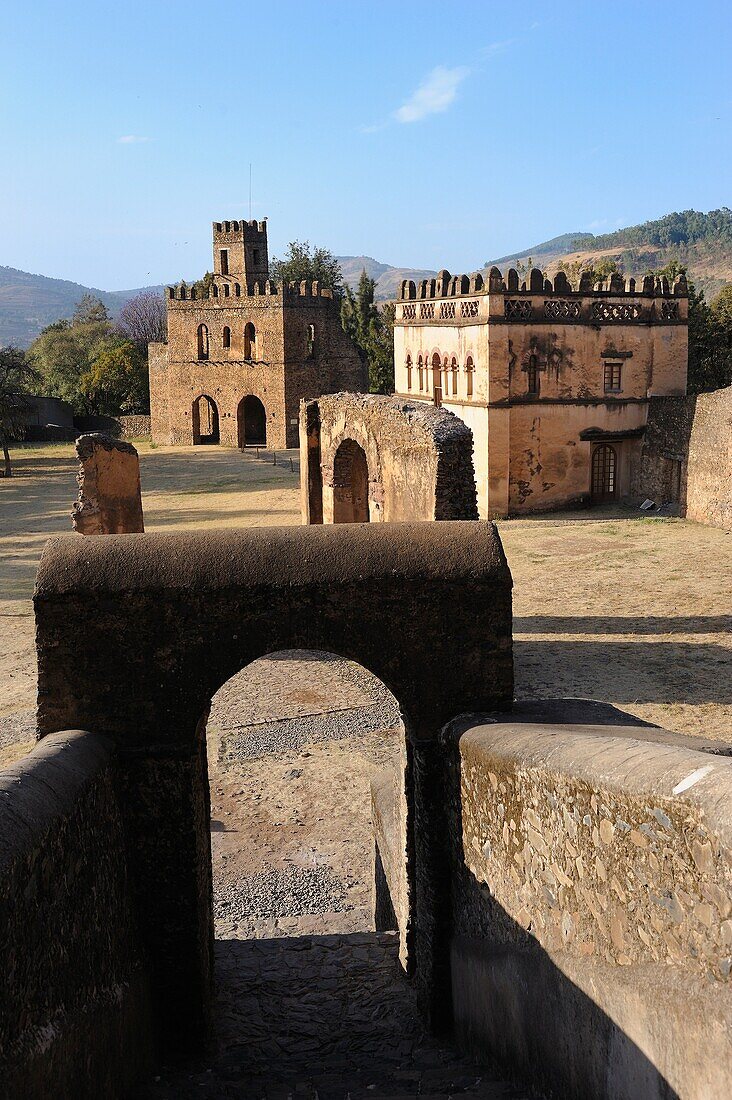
point(148, 668)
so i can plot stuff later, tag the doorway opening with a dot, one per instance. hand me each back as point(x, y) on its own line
point(350, 484)
point(252, 422)
point(604, 473)
point(205, 417)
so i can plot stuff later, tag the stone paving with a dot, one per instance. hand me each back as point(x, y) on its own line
point(310, 1001)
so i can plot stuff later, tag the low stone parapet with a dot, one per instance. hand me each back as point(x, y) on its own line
point(75, 1017)
point(591, 941)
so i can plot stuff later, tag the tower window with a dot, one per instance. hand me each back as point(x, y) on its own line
point(224, 258)
point(226, 339)
point(409, 372)
point(613, 377)
point(532, 375)
point(255, 256)
point(250, 341)
point(310, 342)
point(202, 342)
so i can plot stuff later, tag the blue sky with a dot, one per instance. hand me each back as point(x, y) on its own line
point(423, 134)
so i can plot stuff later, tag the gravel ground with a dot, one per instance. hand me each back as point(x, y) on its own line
point(17, 727)
point(293, 891)
point(329, 699)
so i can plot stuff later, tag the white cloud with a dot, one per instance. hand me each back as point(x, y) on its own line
point(497, 47)
point(131, 139)
point(435, 94)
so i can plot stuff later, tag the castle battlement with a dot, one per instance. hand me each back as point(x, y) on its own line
point(445, 285)
point(228, 292)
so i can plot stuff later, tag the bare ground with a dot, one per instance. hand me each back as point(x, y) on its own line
point(613, 606)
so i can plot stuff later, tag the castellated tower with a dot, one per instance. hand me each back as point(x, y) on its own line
point(242, 353)
point(240, 249)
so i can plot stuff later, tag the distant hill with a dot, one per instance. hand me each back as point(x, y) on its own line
point(30, 302)
point(387, 278)
point(701, 241)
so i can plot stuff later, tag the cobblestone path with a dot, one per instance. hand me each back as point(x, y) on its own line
point(324, 1018)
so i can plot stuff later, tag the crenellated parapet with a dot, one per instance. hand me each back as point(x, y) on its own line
point(227, 292)
point(649, 300)
point(445, 285)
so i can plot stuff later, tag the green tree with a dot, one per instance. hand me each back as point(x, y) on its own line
point(16, 378)
point(90, 311)
point(304, 262)
point(64, 351)
point(372, 330)
point(710, 333)
point(116, 379)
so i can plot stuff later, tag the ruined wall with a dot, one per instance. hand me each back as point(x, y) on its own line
point(592, 897)
point(75, 1017)
point(419, 458)
point(686, 456)
point(109, 500)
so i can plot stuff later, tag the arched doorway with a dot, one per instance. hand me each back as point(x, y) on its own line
point(604, 472)
point(205, 417)
point(350, 484)
point(252, 422)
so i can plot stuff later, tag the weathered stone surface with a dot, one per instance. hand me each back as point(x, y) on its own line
point(686, 458)
point(110, 502)
point(417, 460)
point(591, 885)
point(75, 1017)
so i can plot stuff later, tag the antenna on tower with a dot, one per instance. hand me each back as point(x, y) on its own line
point(250, 190)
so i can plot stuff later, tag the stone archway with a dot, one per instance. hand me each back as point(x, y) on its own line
point(167, 619)
point(350, 484)
point(205, 421)
point(251, 417)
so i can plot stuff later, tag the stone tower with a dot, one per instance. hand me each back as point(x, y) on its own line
point(244, 351)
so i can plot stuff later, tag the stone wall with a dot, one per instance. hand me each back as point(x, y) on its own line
point(418, 459)
point(75, 1017)
point(109, 502)
point(592, 904)
point(686, 457)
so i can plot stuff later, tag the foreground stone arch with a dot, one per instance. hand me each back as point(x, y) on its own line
point(136, 633)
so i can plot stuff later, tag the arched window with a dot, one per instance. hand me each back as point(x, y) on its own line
point(420, 371)
point(445, 377)
point(532, 375)
point(250, 341)
point(310, 342)
point(454, 369)
point(409, 371)
point(436, 379)
point(469, 369)
point(226, 338)
point(202, 342)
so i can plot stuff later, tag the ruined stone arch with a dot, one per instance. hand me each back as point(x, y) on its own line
point(350, 484)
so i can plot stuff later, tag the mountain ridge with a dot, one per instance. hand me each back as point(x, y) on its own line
point(703, 242)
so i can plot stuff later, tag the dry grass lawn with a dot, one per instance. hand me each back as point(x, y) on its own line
point(608, 605)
